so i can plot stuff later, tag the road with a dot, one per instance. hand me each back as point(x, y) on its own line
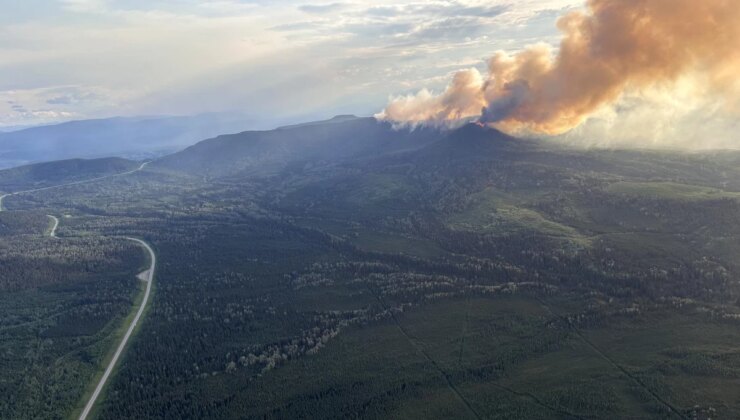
point(86, 181)
point(53, 233)
point(147, 276)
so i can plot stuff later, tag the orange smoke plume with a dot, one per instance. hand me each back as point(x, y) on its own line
point(610, 48)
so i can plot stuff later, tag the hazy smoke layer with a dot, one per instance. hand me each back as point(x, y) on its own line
point(611, 48)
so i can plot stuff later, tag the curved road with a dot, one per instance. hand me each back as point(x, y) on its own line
point(147, 276)
point(55, 221)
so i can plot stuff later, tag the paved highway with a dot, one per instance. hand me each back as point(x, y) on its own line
point(147, 276)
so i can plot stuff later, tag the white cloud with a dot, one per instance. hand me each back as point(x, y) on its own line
point(48, 105)
point(285, 56)
point(84, 6)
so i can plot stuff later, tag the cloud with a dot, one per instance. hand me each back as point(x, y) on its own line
point(84, 6)
point(48, 105)
point(297, 27)
point(143, 53)
point(446, 10)
point(399, 23)
point(448, 29)
point(59, 100)
point(322, 8)
point(74, 98)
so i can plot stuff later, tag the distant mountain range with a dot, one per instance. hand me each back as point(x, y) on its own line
point(135, 138)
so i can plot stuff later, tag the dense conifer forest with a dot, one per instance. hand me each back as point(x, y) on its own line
point(464, 274)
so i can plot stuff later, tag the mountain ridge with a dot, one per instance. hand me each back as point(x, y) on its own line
point(329, 140)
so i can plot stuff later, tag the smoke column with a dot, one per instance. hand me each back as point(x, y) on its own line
point(610, 48)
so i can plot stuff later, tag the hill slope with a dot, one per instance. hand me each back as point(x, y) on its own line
point(40, 175)
point(349, 270)
point(340, 138)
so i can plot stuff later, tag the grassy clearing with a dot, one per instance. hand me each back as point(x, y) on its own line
point(499, 212)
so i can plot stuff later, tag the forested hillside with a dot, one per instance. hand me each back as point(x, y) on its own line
point(62, 301)
point(61, 172)
point(347, 269)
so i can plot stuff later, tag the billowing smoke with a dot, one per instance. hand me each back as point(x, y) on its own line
point(463, 99)
point(609, 50)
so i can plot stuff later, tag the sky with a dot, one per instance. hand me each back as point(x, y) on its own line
point(276, 60)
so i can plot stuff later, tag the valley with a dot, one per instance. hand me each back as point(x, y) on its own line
point(146, 276)
point(349, 269)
